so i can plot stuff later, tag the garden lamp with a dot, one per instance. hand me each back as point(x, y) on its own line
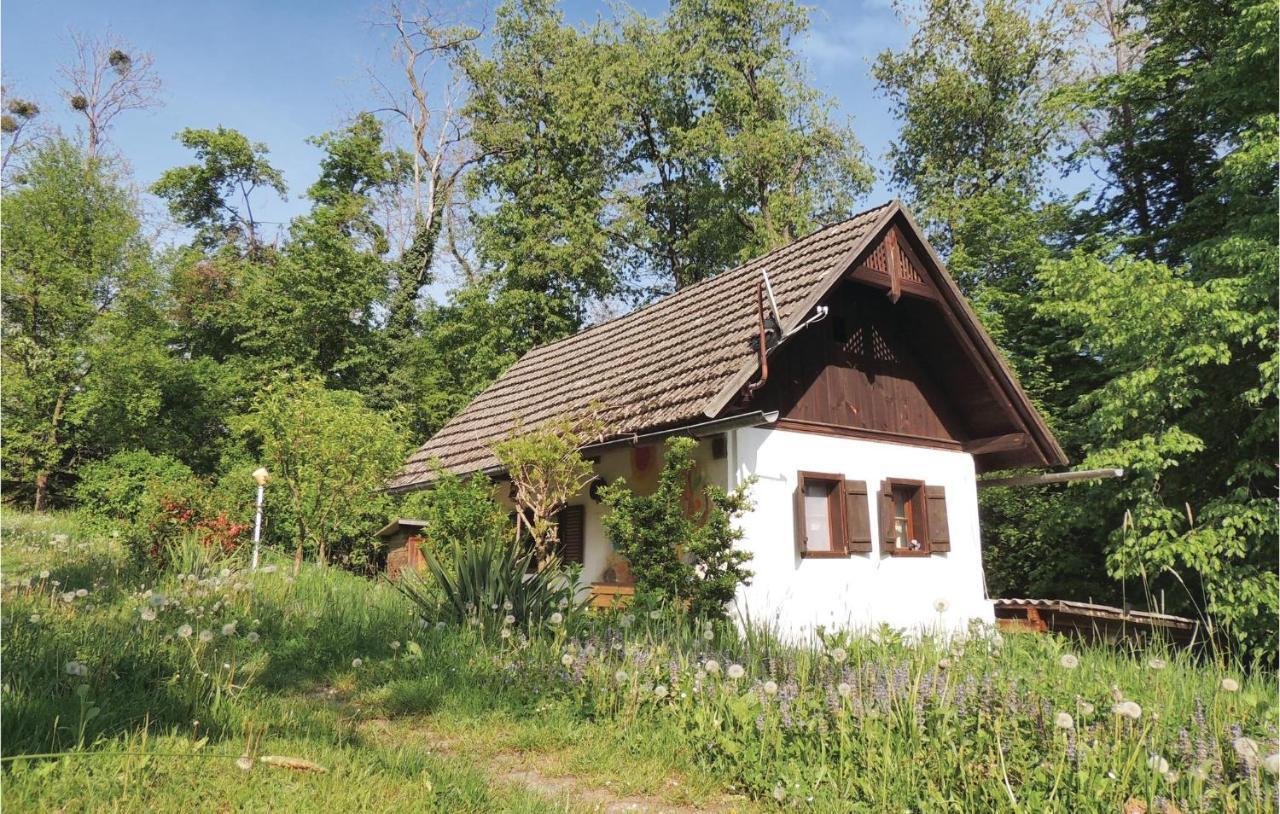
point(261, 476)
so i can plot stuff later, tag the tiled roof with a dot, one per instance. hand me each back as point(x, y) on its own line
point(658, 366)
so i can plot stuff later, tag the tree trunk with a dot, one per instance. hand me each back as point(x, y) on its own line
point(42, 491)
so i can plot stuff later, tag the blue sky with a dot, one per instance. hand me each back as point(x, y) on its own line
point(285, 70)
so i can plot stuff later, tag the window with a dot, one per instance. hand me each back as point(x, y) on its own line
point(908, 521)
point(913, 519)
point(820, 516)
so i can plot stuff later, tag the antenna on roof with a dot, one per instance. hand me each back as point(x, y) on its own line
point(773, 304)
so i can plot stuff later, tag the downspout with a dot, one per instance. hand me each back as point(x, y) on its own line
point(763, 346)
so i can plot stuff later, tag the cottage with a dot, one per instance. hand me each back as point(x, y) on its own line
point(846, 373)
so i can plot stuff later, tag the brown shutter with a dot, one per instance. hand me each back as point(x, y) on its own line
point(797, 511)
point(857, 516)
point(886, 517)
point(571, 521)
point(936, 512)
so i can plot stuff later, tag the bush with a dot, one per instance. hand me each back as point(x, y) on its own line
point(328, 454)
point(494, 584)
point(460, 511)
point(677, 558)
point(133, 485)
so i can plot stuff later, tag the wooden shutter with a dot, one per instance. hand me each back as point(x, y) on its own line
point(571, 525)
point(857, 517)
point(797, 511)
point(886, 517)
point(936, 511)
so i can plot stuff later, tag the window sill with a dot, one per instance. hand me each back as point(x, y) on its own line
point(908, 554)
point(823, 555)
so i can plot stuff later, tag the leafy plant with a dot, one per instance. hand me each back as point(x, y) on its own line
point(676, 556)
point(495, 580)
point(546, 468)
point(328, 453)
point(457, 511)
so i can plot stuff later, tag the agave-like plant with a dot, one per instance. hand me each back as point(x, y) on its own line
point(494, 579)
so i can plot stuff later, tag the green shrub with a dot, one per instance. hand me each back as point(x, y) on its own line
point(132, 485)
point(328, 454)
point(458, 510)
point(678, 559)
point(494, 584)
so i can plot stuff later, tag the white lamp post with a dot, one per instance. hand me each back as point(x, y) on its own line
point(261, 476)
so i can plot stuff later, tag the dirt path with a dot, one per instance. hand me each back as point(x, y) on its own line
point(516, 768)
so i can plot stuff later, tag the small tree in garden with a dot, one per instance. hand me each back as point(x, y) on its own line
point(458, 510)
point(328, 454)
point(677, 556)
point(546, 469)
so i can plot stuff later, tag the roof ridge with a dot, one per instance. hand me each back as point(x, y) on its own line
point(753, 262)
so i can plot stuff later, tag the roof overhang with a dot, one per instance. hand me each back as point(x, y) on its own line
point(701, 429)
point(399, 524)
point(977, 342)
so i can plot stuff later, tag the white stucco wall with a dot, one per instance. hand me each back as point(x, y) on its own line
point(863, 590)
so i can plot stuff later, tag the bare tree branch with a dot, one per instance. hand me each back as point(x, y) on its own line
point(105, 79)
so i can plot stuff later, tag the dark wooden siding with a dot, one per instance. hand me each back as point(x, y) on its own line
point(859, 370)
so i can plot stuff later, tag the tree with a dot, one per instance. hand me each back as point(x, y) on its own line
point(428, 105)
point(107, 78)
point(214, 196)
point(544, 118)
point(1182, 318)
point(547, 469)
point(678, 555)
point(17, 124)
point(72, 255)
point(329, 454)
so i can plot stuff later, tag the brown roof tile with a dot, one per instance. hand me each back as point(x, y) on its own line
point(657, 366)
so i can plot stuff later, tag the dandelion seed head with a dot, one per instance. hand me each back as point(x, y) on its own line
point(1128, 709)
point(357, 663)
point(556, 618)
point(508, 619)
point(1272, 763)
point(771, 688)
point(184, 632)
point(708, 634)
point(505, 633)
point(941, 606)
point(229, 629)
point(1063, 720)
point(1247, 749)
point(660, 691)
point(253, 636)
point(1158, 764)
point(44, 574)
point(1229, 685)
point(844, 690)
point(395, 645)
point(712, 667)
point(1069, 661)
point(567, 659)
point(206, 635)
point(655, 614)
point(81, 593)
point(736, 671)
point(148, 614)
point(839, 655)
point(1157, 663)
point(620, 676)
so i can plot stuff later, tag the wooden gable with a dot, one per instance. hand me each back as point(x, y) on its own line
point(891, 362)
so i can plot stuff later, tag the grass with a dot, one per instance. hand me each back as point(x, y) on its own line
point(403, 714)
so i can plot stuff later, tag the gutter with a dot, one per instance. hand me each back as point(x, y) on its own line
point(700, 430)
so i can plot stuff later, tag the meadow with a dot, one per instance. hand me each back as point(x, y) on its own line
point(202, 684)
